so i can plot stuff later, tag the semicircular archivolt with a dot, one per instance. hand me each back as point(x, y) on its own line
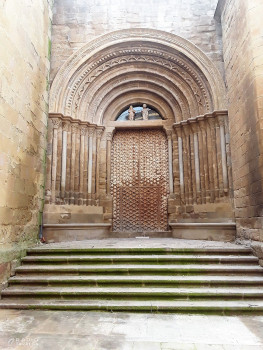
point(166, 55)
point(164, 67)
point(176, 92)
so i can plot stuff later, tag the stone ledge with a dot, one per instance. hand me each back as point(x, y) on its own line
point(54, 233)
point(205, 231)
point(75, 226)
point(193, 225)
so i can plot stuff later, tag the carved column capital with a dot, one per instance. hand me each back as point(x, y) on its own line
point(211, 122)
point(194, 127)
point(74, 128)
point(109, 136)
point(169, 133)
point(65, 126)
point(186, 129)
point(91, 131)
point(221, 120)
point(178, 129)
point(56, 122)
point(99, 133)
point(202, 123)
point(83, 130)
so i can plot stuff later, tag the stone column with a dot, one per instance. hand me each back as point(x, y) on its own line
point(83, 131)
point(210, 161)
point(74, 130)
point(90, 135)
point(221, 121)
point(194, 127)
point(211, 123)
point(56, 123)
point(206, 191)
point(68, 166)
point(181, 163)
point(85, 169)
point(109, 136)
point(99, 134)
point(187, 152)
point(65, 127)
point(49, 162)
point(169, 134)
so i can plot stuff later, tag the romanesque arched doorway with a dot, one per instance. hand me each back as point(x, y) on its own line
point(139, 180)
point(89, 150)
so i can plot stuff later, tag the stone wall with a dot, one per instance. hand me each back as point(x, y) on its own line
point(243, 56)
point(25, 32)
point(76, 22)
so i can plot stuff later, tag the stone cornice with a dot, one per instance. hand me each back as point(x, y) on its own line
point(59, 119)
point(216, 115)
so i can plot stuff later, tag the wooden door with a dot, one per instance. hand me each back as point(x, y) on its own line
point(139, 180)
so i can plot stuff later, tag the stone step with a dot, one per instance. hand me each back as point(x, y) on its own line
point(235, 250)
point(212, 269)
point(140, 259)
point(218, 280)
point(182, 306)
point(138, 281)
point(133, 293)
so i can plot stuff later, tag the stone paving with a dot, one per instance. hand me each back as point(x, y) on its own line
point(142, 242)
point(122, 331)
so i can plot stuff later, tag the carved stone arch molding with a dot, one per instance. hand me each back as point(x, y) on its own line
point(168, 60)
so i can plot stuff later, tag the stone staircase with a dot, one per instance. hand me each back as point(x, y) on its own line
point(180, 280)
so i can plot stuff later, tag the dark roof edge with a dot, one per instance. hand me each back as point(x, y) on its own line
point(219, 9)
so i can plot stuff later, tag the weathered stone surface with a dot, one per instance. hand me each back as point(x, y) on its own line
point(243, 57)
point(25, 33)
point(77, 22)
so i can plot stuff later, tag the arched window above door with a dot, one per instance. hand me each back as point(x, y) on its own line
point(153, 114)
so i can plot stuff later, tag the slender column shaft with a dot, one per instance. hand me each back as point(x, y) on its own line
point(205, 160)
point(59, 166)
point(85, 171)
point(81, 166)
point(197, 165)
point(109, 141)
point(181, 166)
point(187, 163)
point(56, 123)
point(64, 158)
point(211, 123)
point(68, 167)
point(64, 163)
point(210, 164)
point(91, 131)
point(181, 162)
point(77, 172)
point(219, 160)
point(192, 158)
point(99, 133)
point(73, 156)
point(49, 162)
point(170, 158)
point(223, 152)
point(195, 129)
point(83, 131)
